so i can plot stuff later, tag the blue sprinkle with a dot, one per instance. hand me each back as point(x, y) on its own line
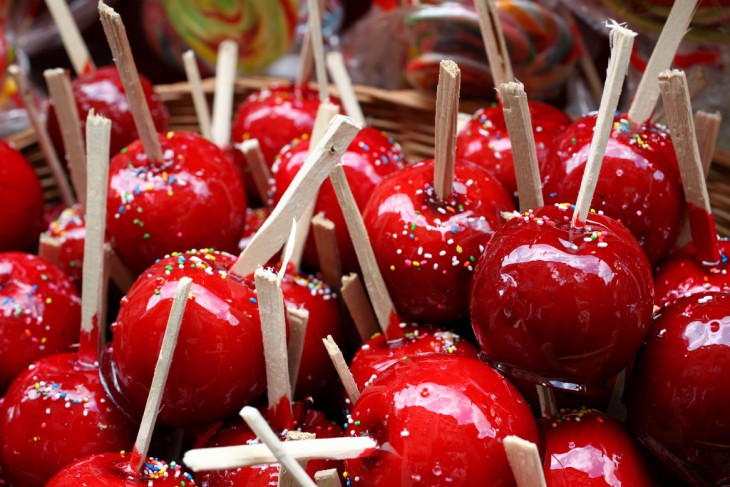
point(253, 300)
point(453, 229)
point(121, 209)
point(136, 190)
point(171, 179)
point(411, 236)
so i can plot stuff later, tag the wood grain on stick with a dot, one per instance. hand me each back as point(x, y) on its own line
point(71, 37)
point(328, 253)
point(447, 111)
point(328, 478)
point(358, 304)
point(524, 460)
point(315, 31)
point(707, 128)
point(338, 72)
point(225, 78)
point(493, 37)
point(343, 371)
point(285, 479)
point(306, 56)
point(298, 320)
point(256, 161)
point(49, 248)
point(200, 102)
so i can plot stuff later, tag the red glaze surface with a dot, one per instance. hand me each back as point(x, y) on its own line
point(561, 307)
point(192, 200)
point(21, 200)
point(255, 218)
point(485, 140)
point(678, 396)
point(70, 229)
point(53, 414)
point(681, 274)
point(439, 421)
point(103, 91)
point(218, 364)
point(427, 248)
point(639, 182)
point(370, 157)
point(588, 448)
point(377, 355)
point(112, 470)
point(237, 433)
point(40, 313)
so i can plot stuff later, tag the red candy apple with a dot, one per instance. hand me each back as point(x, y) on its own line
point(191, 199)
point(40, 312)
point(370, 157)
point(21, 200)
point(439, 420)
point(70, 230)
point(564, 305)
point(678, 394)
point(255, 218)
point(218, 364)
point(427, 248)
point(639, 182)
point(102, 90)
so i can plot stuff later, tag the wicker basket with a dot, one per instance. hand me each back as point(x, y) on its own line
point(406, 115)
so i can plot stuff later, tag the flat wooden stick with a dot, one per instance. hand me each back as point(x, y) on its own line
point(162, 370)
point(120, 274)
point(338, 72)
point(256, 161)
point(225, 78)
point(524, 459)
point(315, 31)
point(62, 96)
point(524, 153)
point(494, 43)
point(225, 457)
point(673, 86)
point(44, 140)
point(298, 320)
point(647, 93)
point(306, 56)
point(98, 137)
point(548, 405)
point(384, 309)
point(116, 36)
point(285, 478)
point(707, 128)
point(272, 234)
point(71, 37)
point(447, 110)
point(329, 255)
point(697, 82)
point(200, 102)
point(49, 248)
point(328, 478)
point(343, 371)
point(622, 41)
point(261, 428)
point(462, 119)
point(358, 304)
point(287, 253)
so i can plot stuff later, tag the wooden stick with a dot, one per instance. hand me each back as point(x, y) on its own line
point(328, 478)
point(524, 459)
point(548, 405)
point(329, 255)
point(98, 139)
point(120, 274)
point(256, 161)
point(225, 457)
point(116, 36)
point(338, 72)
point(62, 96)
point(44, 140)
point(343, 371)
point(447, 110)
point(306, 56)
point(647, 93)
point(273, 328)
point(287, 253)
point(697, 82)
point(462, 119)
point(296, 198)
point(673, 86)
point(384, 310)
point(616, 407)
point(285, 478)
point(225, 78)
point(261, 428)
point(162, 370)
point(494, 43)
point(298, 319)
point(200, 102)
point(106, 279)
point(358, 304)
point(49, 248)
point(707, 128)
point(524, 153)
point(315, 30)
point(622, 41)
point(71, 37)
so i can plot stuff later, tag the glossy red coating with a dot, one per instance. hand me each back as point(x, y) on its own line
point(102, 90)
point(236, 432)
point(588, 448)
point(639, 182)
point(377, 355)
point(370, 157)
point(682, 274)
point(439, 420)
point(218, 364)
point(678, 398)
point(112, 470)
point(54, 413)
point(562, 304)
point(40, 313)
point(193, 199)
point(21, 199)
point(485, 140)
point(70, 229)
point(427, 248)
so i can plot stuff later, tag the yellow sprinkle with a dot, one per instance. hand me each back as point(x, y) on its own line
point(392, 268)
point(459, 249)
point(170, 134)
point(49, 300)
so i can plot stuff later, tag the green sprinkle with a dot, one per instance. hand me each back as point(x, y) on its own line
point(146, 236)
point(357, 423)
point(44, 277)
point(573, 141)
point(157, 292)
point(413, 226)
